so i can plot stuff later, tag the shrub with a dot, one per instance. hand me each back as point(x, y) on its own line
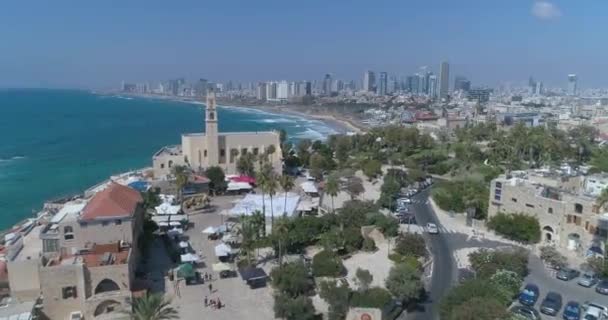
point(299, 308)
point(460, 195)
point(369, 245)
point(487, 262)
point(371, 298)
point(518, 227)
point(404, 283)
point(507, 283)
point(468, 290)
point(389, 226)
point(327, 264)
point(372, 169)
point(291, 279)
point(411, 244)
point(552, 257)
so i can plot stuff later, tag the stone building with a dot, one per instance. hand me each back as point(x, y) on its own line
point(567, 212)
point(89, 255)
point(213, 148)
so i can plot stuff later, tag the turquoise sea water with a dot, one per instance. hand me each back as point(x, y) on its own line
point(55, 143)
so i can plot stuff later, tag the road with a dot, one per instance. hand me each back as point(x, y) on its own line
point(444, 271)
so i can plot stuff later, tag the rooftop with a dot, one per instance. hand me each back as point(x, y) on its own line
point(169, 150)
point(113, 202)
point(32, 245)
point(11, 309)
point(99, 255)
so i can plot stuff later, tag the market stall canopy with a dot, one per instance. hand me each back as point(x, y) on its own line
point(252, 273)
point(189, 257)
point(238, 186)
point(223, 250)
point(209, 230)
point(184, 244)
point(175, 232)
point(186, 270)
point(255, 202)
point(167, 208)
point(309, 187)
point(220, 266)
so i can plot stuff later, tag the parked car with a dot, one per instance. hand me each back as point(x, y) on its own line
point(529, 295)
point(567, 274)
point(588, 279)
point(602, 287)
point(431, 228)
point(572, 311)
point(595, 311)
point(551, 304)
point(526, 312)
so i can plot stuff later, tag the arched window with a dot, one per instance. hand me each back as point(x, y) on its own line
point(211, 115)
point(170, 163)
point(106, 285)
point(68, 233)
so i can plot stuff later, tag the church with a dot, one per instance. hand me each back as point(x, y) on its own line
point(213, 148)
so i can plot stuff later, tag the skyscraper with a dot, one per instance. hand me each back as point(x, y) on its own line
point(432, 91)
point(572, 84)
point(382, 84)
point(444, 80)
point(538, 89)
point(327, 80)
point(369, 81)
point(462, 84)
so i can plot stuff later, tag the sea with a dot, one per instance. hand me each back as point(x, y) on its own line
point(55, 143)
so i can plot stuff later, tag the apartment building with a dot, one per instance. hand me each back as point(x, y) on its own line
point(89, 254)
point(564, 203)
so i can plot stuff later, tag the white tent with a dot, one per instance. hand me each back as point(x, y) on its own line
point(189, 257)
point(237, 186)
point(309, 187)
point(175, 232)
point(167, 208)
point(184, 244)
point(209, 230)
point(255, 202)
point(222, 250)
point(220, 266)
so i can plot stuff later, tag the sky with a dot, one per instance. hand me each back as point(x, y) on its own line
point(97, 44)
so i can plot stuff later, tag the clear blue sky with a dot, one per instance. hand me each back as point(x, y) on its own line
point(99, 43)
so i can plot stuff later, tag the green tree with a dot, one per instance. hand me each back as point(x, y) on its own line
point(153, 307)
point(371, 298)
point(372, 169)
point(518, 227)
point(299, 308)
point(217, 177)
point(151, 199)
point(303, 151)
point(317, 165)
point(480, 308)
point(404, 282)
point(507, 283)
point(337, 296)
point(466, 291)
point(281, 234)
point(363, 278)
point(292, 279)
point(552, 257)
point(602, 200)
point(327, 264)
point(411, 244)
point(354, 187)
point(332, 188)
point(246, 164)
point(287, 184)
point(599, 160)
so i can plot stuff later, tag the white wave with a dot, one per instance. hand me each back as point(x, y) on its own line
point(276, 120)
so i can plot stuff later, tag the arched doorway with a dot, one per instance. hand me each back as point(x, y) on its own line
point(574, 241)
point(106, 285)
point(548, 233)
point(106, 307)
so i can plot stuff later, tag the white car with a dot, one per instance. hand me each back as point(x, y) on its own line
point(431, 228)
point(594, 311)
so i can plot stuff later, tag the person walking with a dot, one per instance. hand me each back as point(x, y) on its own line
point(219, 304)
point(210, 288)
point(206, 302)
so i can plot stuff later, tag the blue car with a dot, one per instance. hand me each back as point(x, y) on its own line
point(572, 311)
point(529, 295)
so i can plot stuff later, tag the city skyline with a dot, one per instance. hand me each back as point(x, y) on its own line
point(60, 45)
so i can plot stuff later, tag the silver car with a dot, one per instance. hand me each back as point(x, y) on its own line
point(588, 279)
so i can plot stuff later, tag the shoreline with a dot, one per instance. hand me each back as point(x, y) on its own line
point(342, 124)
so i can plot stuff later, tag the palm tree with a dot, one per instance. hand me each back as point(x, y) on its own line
point(287, 184)
point(332, 187)
point(153, 307)
point(271, 188)
point(270, 151)
point(281, 228)
point(181, 178)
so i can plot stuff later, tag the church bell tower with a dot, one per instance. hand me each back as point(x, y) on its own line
point(211, 130)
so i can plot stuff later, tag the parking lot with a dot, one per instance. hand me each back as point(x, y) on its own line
point(570, 291)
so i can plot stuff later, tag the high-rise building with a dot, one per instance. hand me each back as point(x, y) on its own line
point(282, 90)
point(411, 84)
point(382, 84)
point(327, 80)
point(538, 89)
point(200, 88)
point(444, 80)
point(481, 95)
point(572, 84)
point(271, 91)
point(261, 91)
point(532, 84)
point(432, 92)
point(369, 81)
point(462, 84)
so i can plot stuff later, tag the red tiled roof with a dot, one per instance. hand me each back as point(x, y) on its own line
point(115, 201)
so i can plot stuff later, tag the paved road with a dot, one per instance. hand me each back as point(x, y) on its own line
point(444, 270)
point(569, 290)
